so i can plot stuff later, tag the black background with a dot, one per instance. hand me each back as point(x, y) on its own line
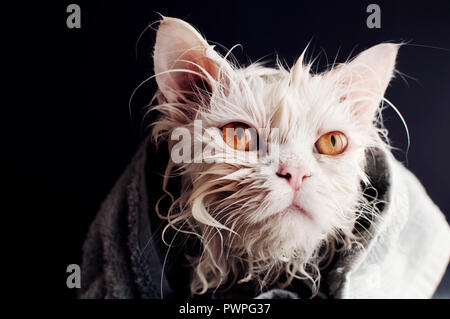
point(71, 132)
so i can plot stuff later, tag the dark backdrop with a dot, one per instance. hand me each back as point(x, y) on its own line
point(74, 134)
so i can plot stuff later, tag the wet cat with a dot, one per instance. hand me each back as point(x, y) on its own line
point(271, 160)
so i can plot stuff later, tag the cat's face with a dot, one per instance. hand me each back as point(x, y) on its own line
point(290, 178)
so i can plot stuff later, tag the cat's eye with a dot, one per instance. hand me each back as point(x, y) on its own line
point(240, 136)
point(332, 143)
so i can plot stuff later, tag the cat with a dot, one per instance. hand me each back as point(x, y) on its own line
point(281, 215)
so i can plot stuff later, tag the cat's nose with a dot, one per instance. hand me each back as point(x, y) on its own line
point(294, 175)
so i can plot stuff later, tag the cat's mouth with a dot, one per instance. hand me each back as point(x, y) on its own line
point(295, 209)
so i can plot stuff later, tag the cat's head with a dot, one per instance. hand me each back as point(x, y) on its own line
point(264, 200)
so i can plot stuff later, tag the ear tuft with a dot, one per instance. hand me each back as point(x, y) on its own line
point(364, 80)
point(183, 59)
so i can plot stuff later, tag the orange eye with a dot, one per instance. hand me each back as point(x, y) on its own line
point(332, 143)
point(240, 136)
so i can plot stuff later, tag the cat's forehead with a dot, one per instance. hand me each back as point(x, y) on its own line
point(296, 109)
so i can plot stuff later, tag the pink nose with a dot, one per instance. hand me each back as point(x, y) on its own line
point(294, 175)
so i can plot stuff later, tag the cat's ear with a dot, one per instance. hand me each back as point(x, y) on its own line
point(185, 64)
point(363, 81)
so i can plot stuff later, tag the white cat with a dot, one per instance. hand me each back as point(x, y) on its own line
point(284, 213)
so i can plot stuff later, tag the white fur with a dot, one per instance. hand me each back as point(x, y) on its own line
point(238, 208)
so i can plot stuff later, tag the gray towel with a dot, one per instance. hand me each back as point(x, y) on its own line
point(406, 256)
point(120, 259)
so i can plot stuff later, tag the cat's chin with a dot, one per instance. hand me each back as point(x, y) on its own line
point(297, 230)
point(295, 209)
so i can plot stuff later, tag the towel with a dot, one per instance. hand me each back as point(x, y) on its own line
point(405, 256)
